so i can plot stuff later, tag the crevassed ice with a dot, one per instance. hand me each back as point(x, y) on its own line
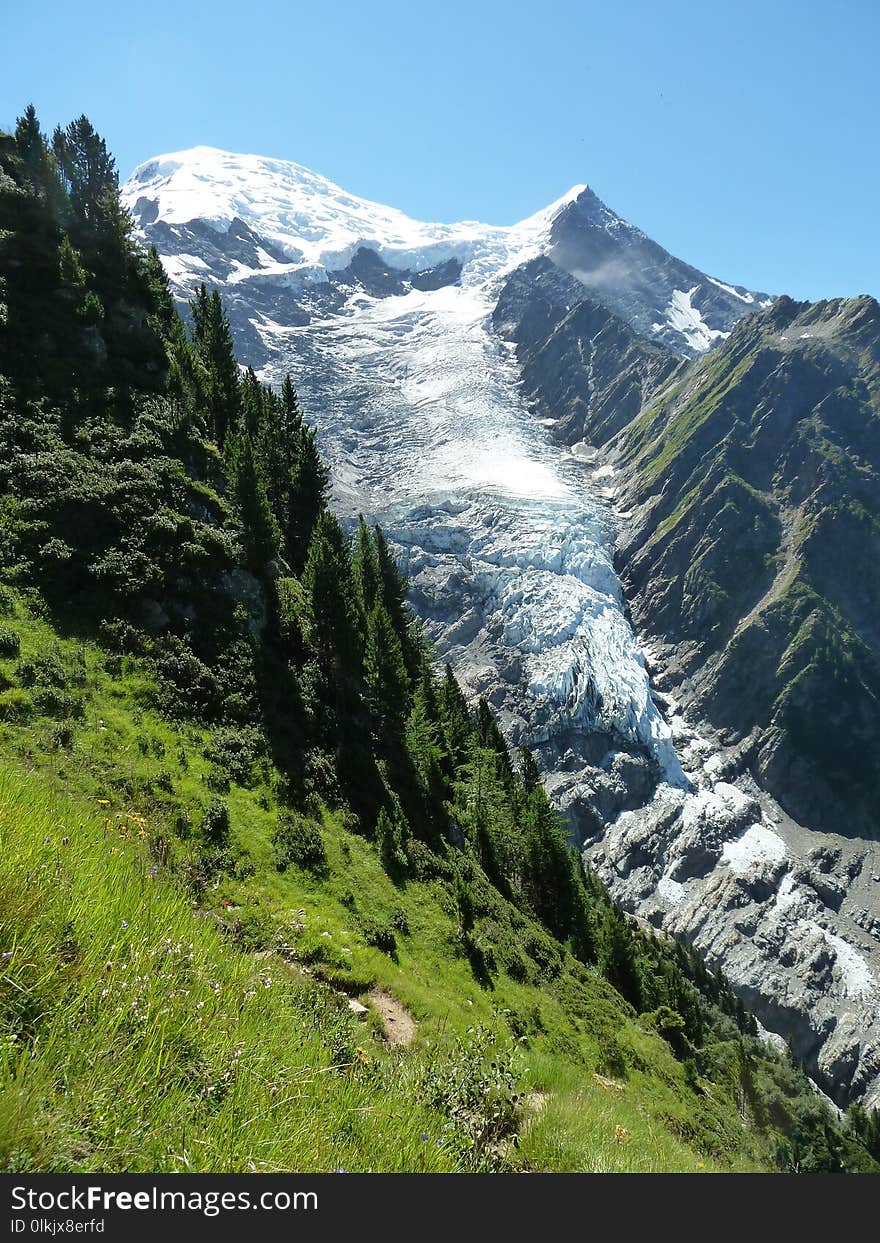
point(420, 414)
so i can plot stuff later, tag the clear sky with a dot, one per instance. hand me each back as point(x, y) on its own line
point(742, 136)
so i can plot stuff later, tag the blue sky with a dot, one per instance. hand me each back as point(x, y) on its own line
point(743, 137)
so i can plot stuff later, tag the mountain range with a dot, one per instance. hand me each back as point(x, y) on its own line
point(638, 508)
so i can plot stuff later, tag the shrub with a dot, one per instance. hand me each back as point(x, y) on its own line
point(298, 841)
point(235, 752)
point(15, 705)
point(50, 701)
point(215, 822)
point(10, 643)
point(379, 934)
point(44, 670)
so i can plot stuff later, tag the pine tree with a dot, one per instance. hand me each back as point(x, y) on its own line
point(327, 581)
point(307, 495)
point(386, 680)
point(39, 165)
point(425, 741)
point(212, 337)
point(490, 737)
point(394, 589)
point(87, 168)
point(456, 721)
point(617, 959)
point(261, 535)
point(365, 565)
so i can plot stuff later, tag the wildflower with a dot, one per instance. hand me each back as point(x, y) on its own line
point(340, 1171)
point(6, 954)
point(361, 1055)
point(424, 1137)
point(621, 1134)
point(125, 923)
point(103, 802)
point(226, 902)
point(113, 850)
point(153, 871)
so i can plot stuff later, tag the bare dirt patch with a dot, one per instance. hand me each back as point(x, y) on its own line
point(398, 1024)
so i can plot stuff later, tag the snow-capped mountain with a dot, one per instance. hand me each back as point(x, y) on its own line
point(273, 233)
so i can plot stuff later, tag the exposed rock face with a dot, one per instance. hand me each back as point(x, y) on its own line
point(577, 358)
point(662, 298)
point(754, 548)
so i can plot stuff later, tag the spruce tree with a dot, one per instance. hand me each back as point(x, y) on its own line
point(365, 565)
point(386, 680)
point(307, 496)
point(327, 581)
point(261, 535)
point(39, 165)
point(212, 337)
point(455, 719)
point(394, 589)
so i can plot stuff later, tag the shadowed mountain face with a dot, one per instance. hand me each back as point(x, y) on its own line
point(755, 548)
point(662, 298)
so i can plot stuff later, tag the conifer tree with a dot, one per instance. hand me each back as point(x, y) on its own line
point(489, 736)
point(261, 535)
point(386, 679)
point(365, 565)
point(213, 341)
point(617, 959)
point(425, 741)
point(39, 165)
point(455, 720)
point(98, 221)
point(394, 588)
point(327, 581)
point(307, 495)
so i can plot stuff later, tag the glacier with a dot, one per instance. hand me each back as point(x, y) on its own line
point(420, 416)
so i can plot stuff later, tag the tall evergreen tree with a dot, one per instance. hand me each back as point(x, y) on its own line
point(307, 496)
point(39, 165)
point(394, 588)
point(386, 680)
point(365, 565)
point(455, 720)
point(261, 535)
point(327, 581)
point(213, 341)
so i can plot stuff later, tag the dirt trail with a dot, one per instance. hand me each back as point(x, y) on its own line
point(398, 1024)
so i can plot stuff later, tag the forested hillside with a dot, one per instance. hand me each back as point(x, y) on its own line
point(236, 792)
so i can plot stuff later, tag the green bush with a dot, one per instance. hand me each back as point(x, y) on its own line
point(15, 705)
point(10, 643)
point(215, 822)
point(235, 752)
point(299, 842)
point(379, 934)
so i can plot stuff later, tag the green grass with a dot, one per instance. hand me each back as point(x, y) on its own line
point(159, 1018)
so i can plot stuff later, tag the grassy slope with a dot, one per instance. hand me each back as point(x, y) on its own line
point(153, 1037)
